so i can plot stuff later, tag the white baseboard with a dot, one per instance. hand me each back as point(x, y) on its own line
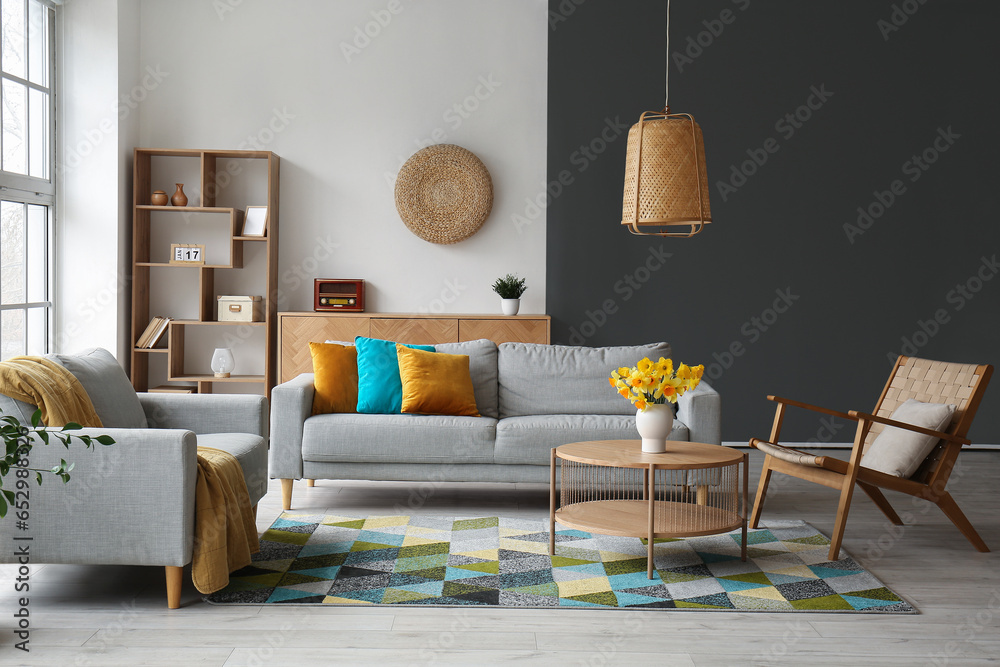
point(843, 445)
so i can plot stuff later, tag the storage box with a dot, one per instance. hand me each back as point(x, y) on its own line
point(241, 309)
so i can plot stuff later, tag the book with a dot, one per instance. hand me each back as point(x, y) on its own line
point(158, 333)
point(148, 332)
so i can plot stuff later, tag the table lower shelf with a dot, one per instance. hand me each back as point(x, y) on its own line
point(630, 518)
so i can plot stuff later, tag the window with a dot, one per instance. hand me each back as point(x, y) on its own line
point(27, 179)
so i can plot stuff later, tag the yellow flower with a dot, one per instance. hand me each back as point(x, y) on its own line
point(611, 381)
point(644, 365)
point(623, 370)
point(684, 372)
point(624, 392)
point(665, 366)
point(640, 404)
point(698, 371)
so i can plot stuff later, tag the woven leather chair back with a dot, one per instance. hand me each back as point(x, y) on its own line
point(961, 385)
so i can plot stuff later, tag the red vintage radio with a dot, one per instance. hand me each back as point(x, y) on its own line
point(347, 295)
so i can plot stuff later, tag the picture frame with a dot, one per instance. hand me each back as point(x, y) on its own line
point(255, 221)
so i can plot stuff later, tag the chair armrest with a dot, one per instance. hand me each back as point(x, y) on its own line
point(207, 413)
point(701, 410)
point(130, 503)
point(910, 427)
point(291, 406)
point(814, 408)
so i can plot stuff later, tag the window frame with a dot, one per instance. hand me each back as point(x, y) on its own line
point(34, 190)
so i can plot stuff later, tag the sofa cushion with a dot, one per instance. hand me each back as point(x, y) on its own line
point(380, 391)
point(527, 440)
point(559, 379)
point(398, 439)
point(335, 378)
point(107, 385)
point(250, 451)
point(15, 408)
point(435, 383)
point(483, 369)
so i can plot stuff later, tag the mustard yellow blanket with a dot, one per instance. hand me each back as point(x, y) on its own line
point(225, 533)
point(42, 382)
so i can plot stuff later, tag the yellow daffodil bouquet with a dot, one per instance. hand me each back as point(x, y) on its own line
point(649, 383)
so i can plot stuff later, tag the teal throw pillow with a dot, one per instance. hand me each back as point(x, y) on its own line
point(380, 389)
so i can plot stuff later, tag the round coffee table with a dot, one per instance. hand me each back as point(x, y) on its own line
point(612, 487)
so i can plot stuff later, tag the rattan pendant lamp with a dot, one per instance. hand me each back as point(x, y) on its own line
point(666, 183)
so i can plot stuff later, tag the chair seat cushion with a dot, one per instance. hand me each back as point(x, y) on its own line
point(250, 450)
point(527, 440)
point(899, 452)
point(361, 438)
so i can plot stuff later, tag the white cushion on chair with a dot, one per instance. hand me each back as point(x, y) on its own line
point(899, 452)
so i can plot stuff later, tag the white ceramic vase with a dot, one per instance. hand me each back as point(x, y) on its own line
point(510, 306)
point(654, 425)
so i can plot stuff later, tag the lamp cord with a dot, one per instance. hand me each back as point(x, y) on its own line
point(666, 86)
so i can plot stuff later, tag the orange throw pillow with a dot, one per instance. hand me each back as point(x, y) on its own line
point(336, 378)
point(435, 383)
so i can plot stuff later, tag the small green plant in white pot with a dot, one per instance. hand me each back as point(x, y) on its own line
point(510, 288)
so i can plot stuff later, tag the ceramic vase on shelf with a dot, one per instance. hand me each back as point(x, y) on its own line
point(510, 306)
point(223, 362)
point(179, 198)
point(159, 198)
point(654, 425)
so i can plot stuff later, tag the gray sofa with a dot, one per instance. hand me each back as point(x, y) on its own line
point(531, 398)
point(132, 503)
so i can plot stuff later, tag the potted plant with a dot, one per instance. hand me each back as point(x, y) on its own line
point(17, 445)
point(510, 288)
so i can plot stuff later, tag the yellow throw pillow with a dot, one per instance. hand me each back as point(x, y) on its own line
point(336, 380)
point(436, 383)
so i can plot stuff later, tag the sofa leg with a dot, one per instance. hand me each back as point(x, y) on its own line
point(286, 493)
point(175, 581)
point(310, 483)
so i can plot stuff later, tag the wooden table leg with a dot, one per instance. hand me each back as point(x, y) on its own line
point(651, 473)
point(552, 503)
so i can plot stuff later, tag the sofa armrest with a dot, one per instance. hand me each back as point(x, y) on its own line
point(207, 413)
point(130, 503)
point(701, 410)
point(291, 405)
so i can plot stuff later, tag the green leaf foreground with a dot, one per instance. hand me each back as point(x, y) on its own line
point(18, 444)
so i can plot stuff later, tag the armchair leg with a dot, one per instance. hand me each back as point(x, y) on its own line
point(758, 503)
point(175, 581)
point(286, 493)
point(954, 512)
point(846, 494)
point(310, 483)
point(878, 498)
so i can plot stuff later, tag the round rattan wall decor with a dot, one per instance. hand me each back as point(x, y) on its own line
point(444, 193)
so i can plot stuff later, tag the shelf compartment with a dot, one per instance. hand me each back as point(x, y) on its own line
point(144, 226)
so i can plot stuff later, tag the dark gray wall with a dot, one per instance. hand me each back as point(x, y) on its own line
point(893, 93)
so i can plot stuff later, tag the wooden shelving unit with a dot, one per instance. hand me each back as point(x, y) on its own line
point(146, 215)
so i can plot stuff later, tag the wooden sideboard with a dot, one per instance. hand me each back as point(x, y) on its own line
point(297, 330)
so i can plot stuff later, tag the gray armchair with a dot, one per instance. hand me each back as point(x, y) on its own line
point(132, 503)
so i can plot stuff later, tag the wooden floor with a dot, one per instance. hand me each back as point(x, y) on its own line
point(109, 615)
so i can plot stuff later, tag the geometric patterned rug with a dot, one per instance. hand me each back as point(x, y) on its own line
point(498, 561)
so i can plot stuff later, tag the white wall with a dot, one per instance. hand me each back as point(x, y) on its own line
point(91, 280)
point(274, 75)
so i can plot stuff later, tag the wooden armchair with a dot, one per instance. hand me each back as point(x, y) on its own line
point(961, 385)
